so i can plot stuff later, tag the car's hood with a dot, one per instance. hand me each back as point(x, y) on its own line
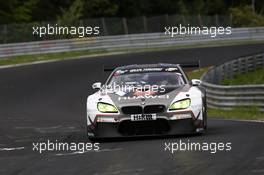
point(136, 98)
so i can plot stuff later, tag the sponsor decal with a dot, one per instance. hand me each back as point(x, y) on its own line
point(153, 69)
point(144, 97)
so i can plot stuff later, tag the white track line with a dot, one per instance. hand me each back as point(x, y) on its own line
point(11, 149)
point(80, 152)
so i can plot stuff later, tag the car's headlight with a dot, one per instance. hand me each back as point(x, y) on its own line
point(182, 104)
point(106, 108)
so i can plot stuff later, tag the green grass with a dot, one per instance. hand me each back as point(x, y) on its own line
point(241, 113)
point(197, 74)
point(256, 77)
point(42, 57)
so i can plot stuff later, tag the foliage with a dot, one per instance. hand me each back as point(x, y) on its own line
point(17, 11)
point(246, 17)
point(99, 8)
point(72, 14)
point(197, 74)
point(24, 11)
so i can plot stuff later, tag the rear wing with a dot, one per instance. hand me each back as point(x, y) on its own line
point(111, 68)
point(108, 69)
point(196, 64)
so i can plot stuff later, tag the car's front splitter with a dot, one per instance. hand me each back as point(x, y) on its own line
point(127, 128)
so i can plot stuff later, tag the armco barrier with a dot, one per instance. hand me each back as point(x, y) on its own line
point(227, 97)
point(126, 42)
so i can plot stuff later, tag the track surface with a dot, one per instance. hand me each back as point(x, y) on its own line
point(47, 101)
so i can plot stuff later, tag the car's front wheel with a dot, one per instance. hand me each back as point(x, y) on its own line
point(90, 133)
point(204, 116)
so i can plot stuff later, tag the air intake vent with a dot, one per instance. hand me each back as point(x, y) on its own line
point(132, 110)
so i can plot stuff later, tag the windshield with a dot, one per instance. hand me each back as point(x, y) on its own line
point(148, 78)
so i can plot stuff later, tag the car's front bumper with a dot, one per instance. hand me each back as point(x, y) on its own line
point(165, 124)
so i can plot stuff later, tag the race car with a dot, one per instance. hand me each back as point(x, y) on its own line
point(146, 100)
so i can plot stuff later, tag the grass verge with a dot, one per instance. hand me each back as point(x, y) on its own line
point(241, 113)
point(197, 74)
point(51, 56)
point(255, 77)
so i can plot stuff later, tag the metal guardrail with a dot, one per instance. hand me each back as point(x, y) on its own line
point(126, 42)
point(22, 32)
point(227, 97)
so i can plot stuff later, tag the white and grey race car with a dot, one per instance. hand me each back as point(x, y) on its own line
point(145, 100)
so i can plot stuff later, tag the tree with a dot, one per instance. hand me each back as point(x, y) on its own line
point(71, 15)
point(16, 11)
point(182, 8)
point(246, 17)
point(198, 7)
point(215, 7)
point(100, 8)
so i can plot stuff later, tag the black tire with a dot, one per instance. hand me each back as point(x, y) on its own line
point(205, 113)
point(91, 138)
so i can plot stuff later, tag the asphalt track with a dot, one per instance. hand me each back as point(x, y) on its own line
point(47, 102)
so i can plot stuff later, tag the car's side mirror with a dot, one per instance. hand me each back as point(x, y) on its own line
point(97, 85)
point(196, 82)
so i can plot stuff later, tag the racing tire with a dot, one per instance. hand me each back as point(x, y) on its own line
point(205, 114)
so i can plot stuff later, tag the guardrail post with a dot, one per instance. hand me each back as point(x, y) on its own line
point(200, 20)
point(246, 65)
point(239, 66)
point(125, 25)
point(104, 26)
point(231, 69)
point(231, 20)
point(183, 20)
point(216, 20)
point(254, 62)
point(81, 22)
point(228, 71)
point(5, 34)
point(166, 19)
point(218, 75)
point(223, 72)
point(263, 60)
point(145, 24)
point(214, 75)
